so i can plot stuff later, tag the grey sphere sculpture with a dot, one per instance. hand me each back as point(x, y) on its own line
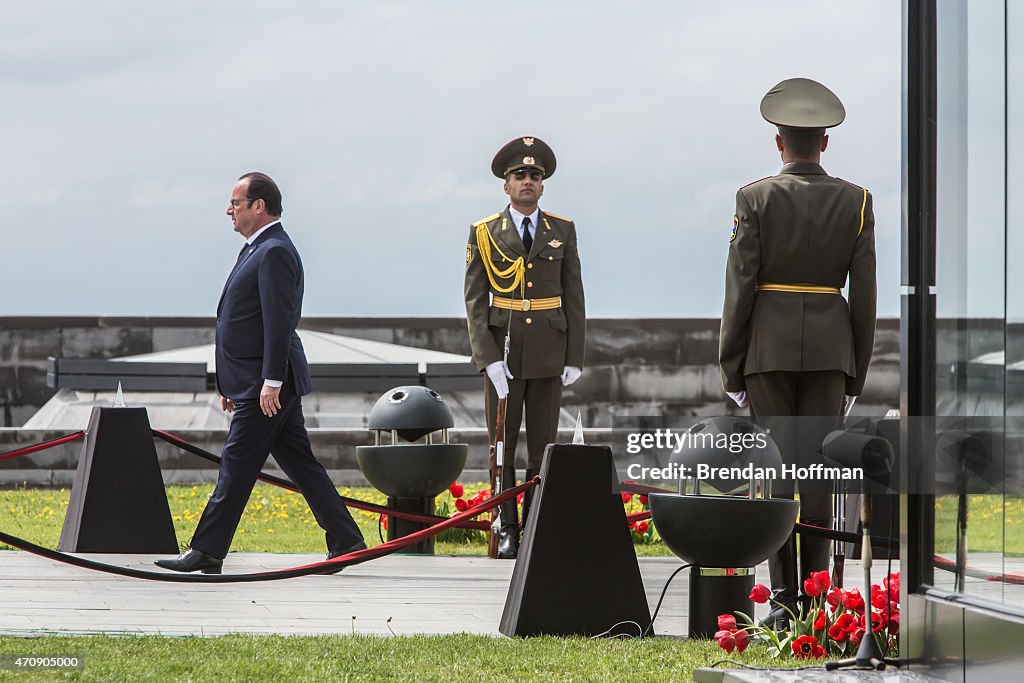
point(412, 411)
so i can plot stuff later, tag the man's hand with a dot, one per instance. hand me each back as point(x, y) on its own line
point(270, 400)
point(227, 405)
point(570, 374)
point(740, 397)
point(499, 376)
point(848, 402)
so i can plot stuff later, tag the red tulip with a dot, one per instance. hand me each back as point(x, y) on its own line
point(726, 622)
point(855, 636)
point(892, 585)
point(894, 624)
point(846, 621)
point(642, 526)
point(742, 640)
point(811, 588)
point(806, 647)
point(821, 580)
point(725, 639)
point(835, 597)
point(760, 593)
point(384, 522)
point(836, 633)
point(461, 504)
point(819, 623)
point(456, 490)
point(853, 600)
point(626, 497)
point(644, 500)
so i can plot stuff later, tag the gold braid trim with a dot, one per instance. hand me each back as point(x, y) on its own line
point(515, 272)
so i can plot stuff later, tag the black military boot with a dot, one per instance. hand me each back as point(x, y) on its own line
point(783, 570)
point(814, 550)
point(508, 534)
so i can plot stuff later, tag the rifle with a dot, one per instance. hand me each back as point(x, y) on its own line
point(495, 462)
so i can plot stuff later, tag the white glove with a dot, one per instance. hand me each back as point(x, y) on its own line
point(498, 372)
point(740, 397)
point(570, 374)
point(848, 402)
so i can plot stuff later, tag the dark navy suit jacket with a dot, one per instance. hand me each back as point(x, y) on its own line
point(257, 315)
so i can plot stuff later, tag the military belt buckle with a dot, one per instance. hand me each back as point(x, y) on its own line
point(524, 305)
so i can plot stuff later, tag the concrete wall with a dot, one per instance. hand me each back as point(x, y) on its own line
point(646, 367)
point(642, 366)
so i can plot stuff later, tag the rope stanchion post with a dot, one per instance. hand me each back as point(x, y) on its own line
point(118, 502)
point(584, 580)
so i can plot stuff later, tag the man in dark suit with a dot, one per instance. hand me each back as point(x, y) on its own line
point(526, 314)
point(261, 376)
point(790, 344)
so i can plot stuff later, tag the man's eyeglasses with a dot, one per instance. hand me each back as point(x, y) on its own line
point(535, 176)
point(235, 203)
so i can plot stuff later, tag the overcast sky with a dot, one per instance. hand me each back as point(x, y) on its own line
point(124, 125)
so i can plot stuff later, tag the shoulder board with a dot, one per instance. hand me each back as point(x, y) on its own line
point(757, 181)
point(555, 215)
point(859, 187)
point(486, 220)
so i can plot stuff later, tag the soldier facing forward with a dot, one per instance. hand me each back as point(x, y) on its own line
point(525, 311)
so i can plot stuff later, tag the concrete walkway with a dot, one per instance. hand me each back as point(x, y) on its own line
point(419, 594)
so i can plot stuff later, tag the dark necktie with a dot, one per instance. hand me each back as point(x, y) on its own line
point(245, 248)
point(527, 237)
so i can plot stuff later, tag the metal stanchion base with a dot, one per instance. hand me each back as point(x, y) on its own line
point(713, 592)
point(397, 528)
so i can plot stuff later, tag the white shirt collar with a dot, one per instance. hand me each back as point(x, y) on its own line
point(252, 237)
point(517, 219)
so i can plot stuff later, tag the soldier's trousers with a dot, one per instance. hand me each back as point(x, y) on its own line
point(799, 409)
point(541, 401)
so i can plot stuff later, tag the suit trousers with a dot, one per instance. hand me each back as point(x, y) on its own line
point(542, 399)
point(251, 438)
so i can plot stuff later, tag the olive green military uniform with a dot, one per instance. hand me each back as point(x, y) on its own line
point(788, 337)
point(542, 340)
point(797, 236)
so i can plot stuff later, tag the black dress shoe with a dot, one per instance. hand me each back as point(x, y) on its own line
point(338, 553)
point(778, 619)
point(192, 560)
point(508, 542)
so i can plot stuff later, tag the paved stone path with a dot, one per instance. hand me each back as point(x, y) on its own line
point(419, 594)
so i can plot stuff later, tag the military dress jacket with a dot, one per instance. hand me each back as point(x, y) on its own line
point(796, 237)
point(542, 342)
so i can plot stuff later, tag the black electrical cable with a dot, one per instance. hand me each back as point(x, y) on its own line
point(658, 607)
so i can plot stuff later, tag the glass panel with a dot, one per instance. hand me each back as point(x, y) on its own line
point(1013, 517)
point(971, 285)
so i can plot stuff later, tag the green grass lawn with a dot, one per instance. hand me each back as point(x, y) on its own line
point(994, 524)
point(275, 520)
point(279, 521)
point(404, 658)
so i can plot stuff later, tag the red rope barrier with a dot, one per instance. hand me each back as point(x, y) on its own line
point(35, 448)
point(356, 557)
point(950, 566)
point(288, 485)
